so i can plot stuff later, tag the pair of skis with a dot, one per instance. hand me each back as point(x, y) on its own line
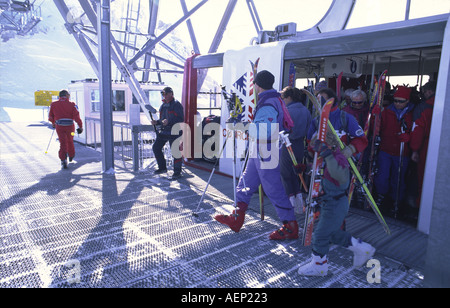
point(311, 210)
point(375, 130)
point(376, 100)
point(325, 124)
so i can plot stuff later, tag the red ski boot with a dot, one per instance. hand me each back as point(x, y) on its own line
point(234, 221)
point(289, 231)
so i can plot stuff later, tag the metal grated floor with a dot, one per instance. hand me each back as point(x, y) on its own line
point(81, 228)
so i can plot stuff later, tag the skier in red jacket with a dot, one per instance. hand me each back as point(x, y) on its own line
point(421, 133)
point(62, 115)
point(395, 127)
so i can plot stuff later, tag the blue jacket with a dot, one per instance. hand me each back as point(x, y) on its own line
point(351, 134)
point(173, 112)
point(302, 120)
point(268, 111)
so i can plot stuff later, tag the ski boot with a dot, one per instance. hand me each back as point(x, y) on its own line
point(64, 164)
point(160, 170)
point(362, 251)
point(234, 221)
point(289, 231)
point(317, 267)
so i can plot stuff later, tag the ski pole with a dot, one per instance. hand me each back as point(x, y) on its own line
point(287, 142)
point(209, 180)
point(400, 162)
point(50, 140)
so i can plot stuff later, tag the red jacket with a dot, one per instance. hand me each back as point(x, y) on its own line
point(359, 114)
point(64, 109)
point(390, 130)
point(422, 126)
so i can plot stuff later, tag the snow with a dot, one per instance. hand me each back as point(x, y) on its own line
point(47, 60)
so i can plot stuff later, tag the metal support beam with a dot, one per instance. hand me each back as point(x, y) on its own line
point(104, 55)
point(255, 16)
point(151, 43)
point(88, 53)
point(153, 18)
point(122, 65)
point(190, 28)
point(335, 19)
point(222, 26)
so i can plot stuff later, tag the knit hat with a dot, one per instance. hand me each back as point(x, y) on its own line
point(321, 85)
point(403, 92)
point(167, 90)
point(265, 80)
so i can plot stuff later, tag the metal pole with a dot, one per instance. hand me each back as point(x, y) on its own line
point(104, 38)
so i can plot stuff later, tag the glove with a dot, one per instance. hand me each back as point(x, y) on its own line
point(376, 109)
point(404, 137)
point(321, 148)
point(300, 168)
point(348, 151)
point(79, 130)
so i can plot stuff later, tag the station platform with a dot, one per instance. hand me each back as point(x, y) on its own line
point(81, 228)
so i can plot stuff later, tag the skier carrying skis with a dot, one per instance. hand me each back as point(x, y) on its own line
point(270, 112)
point(395, 127)
point(345, 125)
point(334, 207)
point(302, 120)
point(62, 115)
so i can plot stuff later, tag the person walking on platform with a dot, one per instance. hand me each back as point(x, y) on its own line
point(62, 115)
point(301, 117)
point(270, 112)
point(334, 207)
point(170, 113)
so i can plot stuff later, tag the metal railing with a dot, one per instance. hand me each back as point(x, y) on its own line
point(132, 143)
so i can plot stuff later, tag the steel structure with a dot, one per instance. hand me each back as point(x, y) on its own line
point(130, 58)
point(18, 17)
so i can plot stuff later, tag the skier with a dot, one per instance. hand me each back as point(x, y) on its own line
point(301, 117)
point(170, 113)
point(346, 99)
point(358, 106)
point(269, 110)
point(334, 207)
point(345, 125)
point(62, 115)
point(395, 127)
point(421, 133)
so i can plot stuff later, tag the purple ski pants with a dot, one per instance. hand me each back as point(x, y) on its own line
point(270, 179)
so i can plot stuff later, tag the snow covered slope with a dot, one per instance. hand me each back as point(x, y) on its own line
point(47, 60)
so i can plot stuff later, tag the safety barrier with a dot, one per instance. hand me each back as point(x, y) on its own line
point(132, 143)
